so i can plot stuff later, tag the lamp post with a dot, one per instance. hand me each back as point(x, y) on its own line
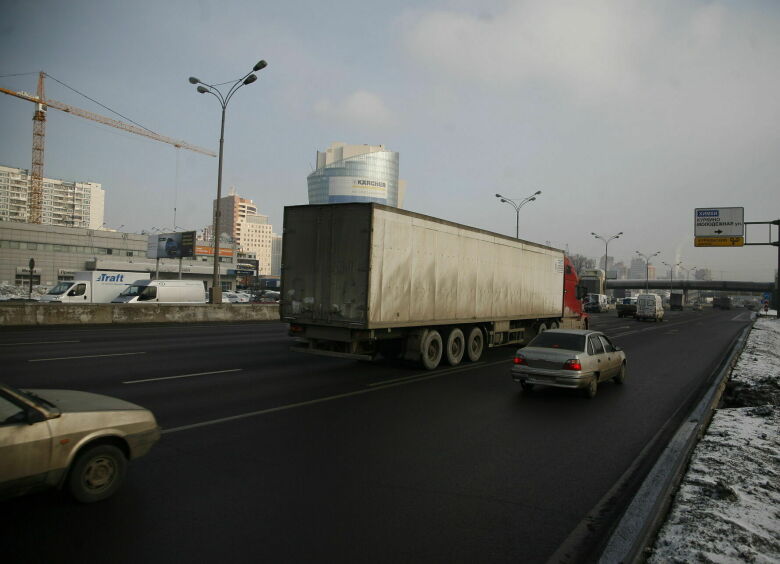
point(647, 267)
point(517, 206)
point(671, 273)
point(606, 248)
point(203, 88)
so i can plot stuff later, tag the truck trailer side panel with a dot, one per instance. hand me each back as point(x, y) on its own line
point(369, 266)
point(425, 271)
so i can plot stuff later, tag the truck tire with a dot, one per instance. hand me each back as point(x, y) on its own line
point(431, 349)
point(475, 344)
point(456, 346)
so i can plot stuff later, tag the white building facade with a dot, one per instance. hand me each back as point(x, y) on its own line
point(65, 204)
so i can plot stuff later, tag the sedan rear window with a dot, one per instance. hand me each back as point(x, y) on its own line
point(553, 340)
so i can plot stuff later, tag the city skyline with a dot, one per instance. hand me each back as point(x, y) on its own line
point(626, 116)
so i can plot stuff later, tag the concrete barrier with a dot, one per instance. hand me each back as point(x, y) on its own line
point(34, 314)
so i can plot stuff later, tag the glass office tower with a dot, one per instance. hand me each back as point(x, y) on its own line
point(356, 173)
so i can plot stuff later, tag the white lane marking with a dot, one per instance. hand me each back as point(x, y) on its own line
point(325, 399)
point(85, 356)
point(740, 316)
point(421, 375)
point(36, 343)
point(182, 376)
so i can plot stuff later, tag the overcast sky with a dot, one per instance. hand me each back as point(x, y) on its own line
point(627, 115)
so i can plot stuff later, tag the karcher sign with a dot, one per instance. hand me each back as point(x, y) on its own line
point(355, 186)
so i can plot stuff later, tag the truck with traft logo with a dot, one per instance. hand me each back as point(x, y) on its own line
point(92, 287)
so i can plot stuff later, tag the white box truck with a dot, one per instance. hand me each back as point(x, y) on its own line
point(92, 287)
point(163, 292)
point(360, 280)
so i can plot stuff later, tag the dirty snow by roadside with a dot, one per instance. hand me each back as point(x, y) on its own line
point(727, 508)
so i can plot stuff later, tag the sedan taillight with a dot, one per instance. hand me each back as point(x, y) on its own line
point(519, 359)
point(572, 364)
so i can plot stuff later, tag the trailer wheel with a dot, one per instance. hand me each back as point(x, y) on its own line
point(456, 345)
point(475, 344)
point(431, 349)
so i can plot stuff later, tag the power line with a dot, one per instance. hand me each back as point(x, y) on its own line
point(101, 105)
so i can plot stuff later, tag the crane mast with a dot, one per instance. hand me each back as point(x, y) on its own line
point(39, 135)
point(36, 170)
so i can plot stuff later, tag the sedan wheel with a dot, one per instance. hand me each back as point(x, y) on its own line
point(526, 386)
point(593, 386)
point(97, 473)
point(621, 376)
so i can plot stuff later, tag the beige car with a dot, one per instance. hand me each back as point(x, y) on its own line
point(569, 358)
point(77, 441)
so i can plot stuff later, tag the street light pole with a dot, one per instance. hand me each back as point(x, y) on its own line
point(517, 206)
point(606, 250)
point(203, 88)
point(647, 267)
point(671, 273)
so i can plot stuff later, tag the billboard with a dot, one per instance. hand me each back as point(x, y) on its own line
point(356, 186)
point(208, 251)
point(171, 245)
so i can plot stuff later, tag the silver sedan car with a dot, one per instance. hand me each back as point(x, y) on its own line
point(77, 441)
point(569, 358)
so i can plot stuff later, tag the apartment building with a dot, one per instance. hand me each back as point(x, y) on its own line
point(65, 203)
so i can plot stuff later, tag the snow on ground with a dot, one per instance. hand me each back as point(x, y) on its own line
point(728, 506)
point(12, 292)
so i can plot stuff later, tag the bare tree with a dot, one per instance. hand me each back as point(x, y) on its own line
point(581, 262)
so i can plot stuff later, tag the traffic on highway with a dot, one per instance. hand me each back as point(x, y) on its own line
point(269, 455)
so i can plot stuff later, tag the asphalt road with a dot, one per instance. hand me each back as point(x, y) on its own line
point(271, 456)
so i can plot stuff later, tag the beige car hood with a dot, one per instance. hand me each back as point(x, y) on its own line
point(72, 401)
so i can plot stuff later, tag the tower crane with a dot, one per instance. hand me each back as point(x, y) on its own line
point(39, 133)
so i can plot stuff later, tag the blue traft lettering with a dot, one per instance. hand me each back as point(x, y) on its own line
point(707, 213)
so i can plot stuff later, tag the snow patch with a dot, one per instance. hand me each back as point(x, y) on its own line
point(727, 508)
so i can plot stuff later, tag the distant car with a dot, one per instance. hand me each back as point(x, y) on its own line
point(77, 441)
point(696, 306)
point(268, 297)
point(230, 297)
point(569, 358)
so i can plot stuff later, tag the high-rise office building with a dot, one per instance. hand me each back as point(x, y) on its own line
point(65, 203)
point(249, 230)
point(356, 173)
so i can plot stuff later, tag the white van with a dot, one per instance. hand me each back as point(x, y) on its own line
point(93, 287)
point(163, 292)
point(596, 303)
point(649, 306)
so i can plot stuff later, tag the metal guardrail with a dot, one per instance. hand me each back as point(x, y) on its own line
point(648, 509)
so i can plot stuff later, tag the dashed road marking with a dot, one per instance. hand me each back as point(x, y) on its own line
point(182, 376)
point(84, 356)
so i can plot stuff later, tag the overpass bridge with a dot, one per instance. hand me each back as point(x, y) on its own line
point(698, 285)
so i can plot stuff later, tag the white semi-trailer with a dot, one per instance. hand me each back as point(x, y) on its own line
point(365, 279)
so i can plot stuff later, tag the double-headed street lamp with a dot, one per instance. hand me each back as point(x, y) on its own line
point(203, 88)
point(606, 247)
point(647, 266)
point(517, 206)
point(671, 272)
